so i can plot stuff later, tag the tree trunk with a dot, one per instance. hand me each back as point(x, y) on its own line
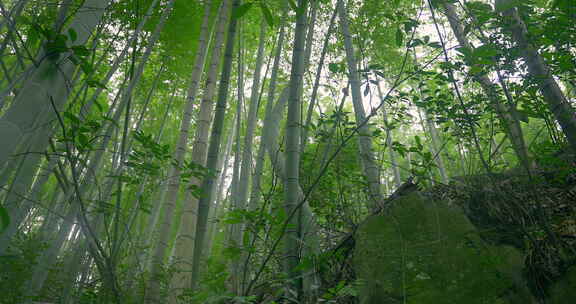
point(292, 199)
point(389, 141)
point(369, 165)
point(540, 72)
point(181, 280)
point(505, 113)
point(185, 239)
point(48, 257)
point(309, 228)
point(260, 157)
point(120, 58)
point(214, 148)
point(246, 170)
point(234, 231)
point(314, 94)
point(219, 192)
point(46, 87)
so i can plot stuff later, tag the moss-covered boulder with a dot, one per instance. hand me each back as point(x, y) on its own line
point(427, 252)
point(564, 291)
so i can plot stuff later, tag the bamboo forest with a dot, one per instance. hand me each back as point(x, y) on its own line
point(288, 151)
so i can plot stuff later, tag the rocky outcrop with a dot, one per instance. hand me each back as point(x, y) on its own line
point(424, 251)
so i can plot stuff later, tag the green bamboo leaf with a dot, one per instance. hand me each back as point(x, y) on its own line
point(80, 50)
point(86, 67)
point(4, 219)
point(476, 70)
point(72, 118)
point(83, 140)
point(333, 67)
point(267, 14)
point(418, 141)
point(293, 5)
point(72, 34)
point(399, 37)
point(521, 115)
point(242, 10)
point(502, 6)
point(93, 83)
point(486, 50)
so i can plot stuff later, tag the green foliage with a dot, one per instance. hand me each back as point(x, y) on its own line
point(267, 13)
point(426, 252)
point(58, 45)
point(341, 178)
point(4, 219)
point(147, 157)
point(17, 266)
point(388, 36)
point(341, 291)
point(179, 38)
point(502, 6)
point(557, 161)
point(242, 10)
point(82, 134)
point(293, 5)
point(564, 291)
point(481, 11)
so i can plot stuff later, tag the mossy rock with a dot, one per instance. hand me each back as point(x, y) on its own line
point(564, 291)
point(426, 252)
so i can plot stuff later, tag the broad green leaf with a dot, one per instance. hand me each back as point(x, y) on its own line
point(418, 141)
point(242, 10)
point(507, 4)
point(486, 50)
point(410, 25)
point(465, 51)
point(33, 35)
point(481, 11)
point(521, 115)
point(86, 67)
point(93, 83)
point(375, 66)
point(4, 219)
point(56, 47)
point(415, 42)
point(399, 37)
point(72, 34)
point(333, 67)
point(99, 106)
point(72, 118)
point(267, 14)
point(83, 140)
point(293, 5)
point(80, 50)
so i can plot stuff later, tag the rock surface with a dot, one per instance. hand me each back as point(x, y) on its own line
point(423, 251)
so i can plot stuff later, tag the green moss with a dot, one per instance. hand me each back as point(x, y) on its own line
point(564, 291)
point(426, 252)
